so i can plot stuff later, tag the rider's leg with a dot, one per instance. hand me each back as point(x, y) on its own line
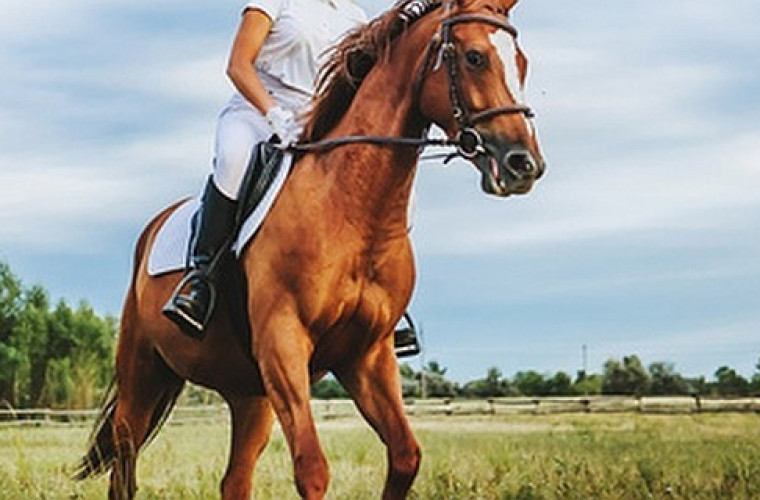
point(193, 301)
point(238, 130)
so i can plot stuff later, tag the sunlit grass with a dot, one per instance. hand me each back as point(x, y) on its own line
point(621, 456)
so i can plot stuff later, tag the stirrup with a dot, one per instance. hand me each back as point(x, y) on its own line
point(178, 306)
point(405, 340)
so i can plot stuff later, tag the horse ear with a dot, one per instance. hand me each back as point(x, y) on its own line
point(508, 4)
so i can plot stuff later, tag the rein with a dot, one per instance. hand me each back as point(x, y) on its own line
point(468, 141)
point(326, 144)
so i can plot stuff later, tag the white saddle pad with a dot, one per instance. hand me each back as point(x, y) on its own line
point(169, 252)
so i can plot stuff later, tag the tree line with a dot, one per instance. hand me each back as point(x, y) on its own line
point(59, 356)
point(51, 355)
point(627, 376)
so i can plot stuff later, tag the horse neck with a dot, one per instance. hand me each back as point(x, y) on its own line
point(375, 182)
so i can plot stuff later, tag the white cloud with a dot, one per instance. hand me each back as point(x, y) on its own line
point(634, 126)
point(99, 127)
point(696, 350)
point(27, 21)
point(676, 191)
point(68, 200)
point(602, 90)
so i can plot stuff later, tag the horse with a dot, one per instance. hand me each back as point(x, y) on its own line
point(331, 270)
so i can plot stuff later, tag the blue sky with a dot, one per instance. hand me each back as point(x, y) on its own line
point(642, 237)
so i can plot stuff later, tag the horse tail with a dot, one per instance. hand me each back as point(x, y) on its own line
point(101, 453)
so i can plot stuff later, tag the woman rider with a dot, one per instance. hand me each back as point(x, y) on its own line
point(273, 65)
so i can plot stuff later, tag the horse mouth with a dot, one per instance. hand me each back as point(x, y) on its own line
point(514, 174)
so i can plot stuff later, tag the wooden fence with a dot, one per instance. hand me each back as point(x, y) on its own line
point(340, 408)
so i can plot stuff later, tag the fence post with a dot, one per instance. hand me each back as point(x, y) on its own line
point(697, 402)
point(586, 402)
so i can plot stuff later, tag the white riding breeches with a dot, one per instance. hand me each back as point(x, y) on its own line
point(237, 132)
point(239, 128)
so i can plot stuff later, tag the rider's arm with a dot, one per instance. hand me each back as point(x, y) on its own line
point(253, 30)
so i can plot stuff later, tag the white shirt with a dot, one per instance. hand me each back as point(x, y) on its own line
point(295, 48)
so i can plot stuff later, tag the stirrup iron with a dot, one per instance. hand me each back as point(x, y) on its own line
point(406, 340)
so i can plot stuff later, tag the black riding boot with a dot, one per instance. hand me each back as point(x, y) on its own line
point(192, 303)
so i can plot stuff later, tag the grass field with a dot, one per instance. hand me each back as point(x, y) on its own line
point(617, 456)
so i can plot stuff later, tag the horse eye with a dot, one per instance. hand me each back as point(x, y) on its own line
point(475, 59)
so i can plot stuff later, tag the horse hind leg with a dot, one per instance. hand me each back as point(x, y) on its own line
point(252, 419)
point(146, 392)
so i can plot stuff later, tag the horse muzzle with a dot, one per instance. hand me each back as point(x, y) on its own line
point(508, 170)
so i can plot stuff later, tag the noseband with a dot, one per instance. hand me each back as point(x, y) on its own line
point(468, 141)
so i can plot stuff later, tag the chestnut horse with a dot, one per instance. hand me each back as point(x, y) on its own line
point(331, 270)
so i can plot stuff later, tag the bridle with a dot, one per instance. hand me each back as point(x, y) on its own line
point(469, 142)
point(442, 47)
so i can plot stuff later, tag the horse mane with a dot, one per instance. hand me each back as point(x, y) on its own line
point(350, 61)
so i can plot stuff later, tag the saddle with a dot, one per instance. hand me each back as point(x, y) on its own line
point(263, 167)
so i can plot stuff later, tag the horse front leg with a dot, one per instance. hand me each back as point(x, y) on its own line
point(283, 349)
point(374, 384)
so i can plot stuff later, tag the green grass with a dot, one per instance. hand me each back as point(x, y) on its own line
point(620, 456)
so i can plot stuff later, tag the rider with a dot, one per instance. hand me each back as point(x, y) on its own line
point(273, 65)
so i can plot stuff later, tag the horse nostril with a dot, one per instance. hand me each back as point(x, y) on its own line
point(521, 163)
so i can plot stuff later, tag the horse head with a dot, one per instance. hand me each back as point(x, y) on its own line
point(471, 84)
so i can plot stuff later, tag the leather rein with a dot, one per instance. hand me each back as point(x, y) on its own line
point(468, 141)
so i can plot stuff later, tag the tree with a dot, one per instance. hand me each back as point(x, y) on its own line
point(529, 383)
point(59, 384)
point(328, 388)
point(492, 382)
point(12, 349)
point(628, 377)
point(435, 368)
point(587, 384)
point(10, 301)
point(560, 384)
point(754, 384)
point(698, 385)
point(31, 332)
point(665, 381)
point(436, 384)
point(62, 357)
point(730, 383)
point(410, 381)
point(493, 385)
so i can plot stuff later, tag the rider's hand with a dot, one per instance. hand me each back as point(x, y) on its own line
point(283, 123)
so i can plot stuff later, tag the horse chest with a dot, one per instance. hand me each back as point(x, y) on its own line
point(379, 285)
